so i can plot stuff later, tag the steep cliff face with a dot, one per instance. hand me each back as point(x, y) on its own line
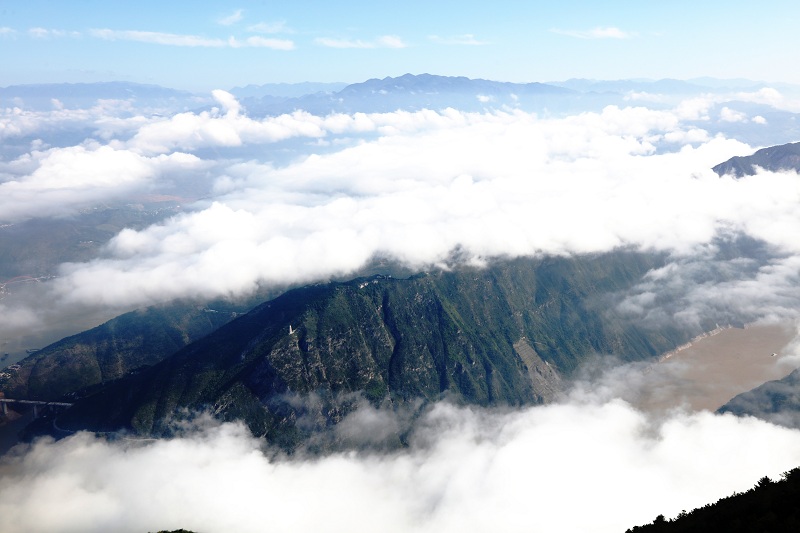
point(503, 335)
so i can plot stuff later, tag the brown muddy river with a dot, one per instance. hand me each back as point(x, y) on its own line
point(714, 369)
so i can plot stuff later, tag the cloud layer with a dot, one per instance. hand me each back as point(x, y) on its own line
point(490, 184)
point(466, 470)
point(412, 186)
point(172, 39)
point(67, 178)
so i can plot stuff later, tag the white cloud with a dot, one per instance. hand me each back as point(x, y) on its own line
point(391, 41)
point(152, 37)
point(643, 96)
point(467, 39)
point(493, 184)
point(261, 42)
point(190, 131)
point(696, 108)
point(726, 114)
point(466, 470)
point(765, 95)
point(695, 290)
point(45, 33)
point(596, 33)
point(418, 185)
point(108, 118)
point(227, 101)
point(64, 179)
point(173, 39)
point(270, 27)
point(410, 185)
point(19, 319)
point(231, 19)
point(386, 41)
point(342, 43)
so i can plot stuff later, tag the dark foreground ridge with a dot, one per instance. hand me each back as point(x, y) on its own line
point(769, 507)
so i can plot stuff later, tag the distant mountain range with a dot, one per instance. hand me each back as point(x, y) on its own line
point(426, 91)
point(429, 84)
point(412, 92)
point(664, 86)
point(111, 89)
point(286, 90)
point(407, 92)
point(85, 95)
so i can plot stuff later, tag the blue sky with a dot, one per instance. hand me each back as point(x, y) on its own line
point(206, 45)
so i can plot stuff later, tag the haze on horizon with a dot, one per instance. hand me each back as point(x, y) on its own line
point(214, 45)
point(296, 198)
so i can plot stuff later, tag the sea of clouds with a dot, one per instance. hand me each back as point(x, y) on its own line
point(574, 466)
point(300, 198)
point(410, 186)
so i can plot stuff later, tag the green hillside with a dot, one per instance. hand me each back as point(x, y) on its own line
point(503, 335)
point(112, 350)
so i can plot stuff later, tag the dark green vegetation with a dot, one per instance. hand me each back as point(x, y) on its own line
point(774, 158)
point(112, 350)
point(776, 401)
point(504, 335)
point(769, 507)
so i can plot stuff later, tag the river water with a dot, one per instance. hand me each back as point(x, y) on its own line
point(714, 369)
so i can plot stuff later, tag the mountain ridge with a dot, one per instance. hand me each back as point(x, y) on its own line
point(772, 158)
point(504, 335)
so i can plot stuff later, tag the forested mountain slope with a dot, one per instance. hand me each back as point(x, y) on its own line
point(112, 350)
point(502, 335)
